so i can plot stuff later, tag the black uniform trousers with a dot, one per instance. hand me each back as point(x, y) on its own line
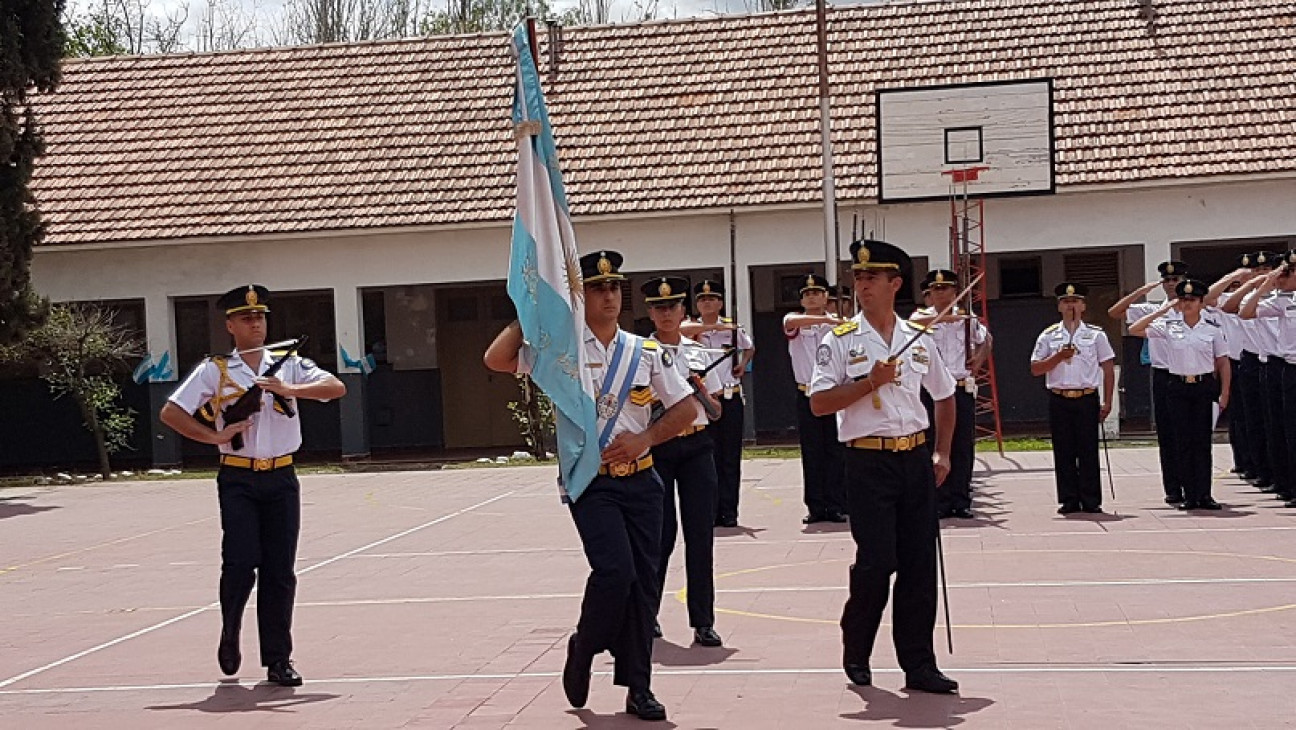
point(260, 520)
point(956, 492)
point(686, 465)
point(823, 470)
point(1237, 421)
point(1189, 404)
point(1253, 376)
point(1289, 420)
point(619, 523)
point(1167, 447)
point(1073, 423)
point(1276, 428)
point(892, 501)
point(727, 435)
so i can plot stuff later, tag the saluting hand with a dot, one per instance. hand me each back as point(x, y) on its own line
point(227, 434)
point(940, 465)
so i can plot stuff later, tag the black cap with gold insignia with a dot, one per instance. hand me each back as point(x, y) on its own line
point(1170, 269)
point(249, 298)
point(1069, 290)
point(814, 282)
point(1265, 259)
point(939, 277)
point(664, 289)
point(708, 288)
point(1246, 261)
point(601, 266)
point(1191, 288)
point(870, 255)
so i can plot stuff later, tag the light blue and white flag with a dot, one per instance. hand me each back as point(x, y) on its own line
point(544, 279)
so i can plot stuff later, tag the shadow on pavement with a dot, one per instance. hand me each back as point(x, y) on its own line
point(230, 696)
point(10, 507)
point(668, 654)
point(915, 709)
point(595, 721)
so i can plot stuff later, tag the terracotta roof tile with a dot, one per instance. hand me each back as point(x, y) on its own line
point(659, 116)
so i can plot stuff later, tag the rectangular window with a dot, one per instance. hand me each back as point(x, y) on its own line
point(1020, 277)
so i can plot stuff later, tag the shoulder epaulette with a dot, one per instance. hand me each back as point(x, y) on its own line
point(726, 320)
point(1052, 327)
point(920, 327)
point(845, 328)
point(1092, 326)
point(278, 353)
point(650, 345)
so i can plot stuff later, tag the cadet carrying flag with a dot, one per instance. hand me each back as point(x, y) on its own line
point(544, 279)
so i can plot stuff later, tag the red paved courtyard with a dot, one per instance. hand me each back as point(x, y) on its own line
point(444, 599)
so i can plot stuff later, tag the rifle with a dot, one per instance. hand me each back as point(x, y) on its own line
point(732, 304)
point(250, 401)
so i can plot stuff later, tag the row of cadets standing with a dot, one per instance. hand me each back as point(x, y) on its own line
point(891, 475)
point(1076, 360)
point(1235, 339)
point(822, 467)
point(1196, 358)
point(1128, 308)
point(619, 514)
point(1272, 307)
point(686, 462)
point(722, 333)
point(951, 334)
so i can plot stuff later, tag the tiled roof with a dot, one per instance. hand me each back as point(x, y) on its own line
point(680, 115)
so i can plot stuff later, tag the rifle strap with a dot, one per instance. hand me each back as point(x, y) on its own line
point(225, 382)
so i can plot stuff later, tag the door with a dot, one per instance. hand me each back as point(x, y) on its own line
point(476, 400)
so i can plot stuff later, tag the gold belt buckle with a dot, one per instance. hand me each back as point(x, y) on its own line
point(1190, 378)
point(620, 470)
point(263, 464)
point(902, 443)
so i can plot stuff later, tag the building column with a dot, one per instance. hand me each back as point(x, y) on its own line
point(159, 371)
point(352, 369)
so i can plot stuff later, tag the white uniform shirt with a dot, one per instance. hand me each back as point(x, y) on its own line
point(1235, 335)
point(951, 340)
point(1280, 311)
point(1157, 350)
point(802, 344)
point(1084, 369)
point(687, 358)
point(1264, 330)
point(272, 433)
point(1190, 350)
point(654, 379)
point(721, 340)
point(848, 353)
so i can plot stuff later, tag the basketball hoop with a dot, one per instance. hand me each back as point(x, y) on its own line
point(965, 174)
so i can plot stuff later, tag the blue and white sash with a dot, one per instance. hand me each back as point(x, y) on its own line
point(617, 383)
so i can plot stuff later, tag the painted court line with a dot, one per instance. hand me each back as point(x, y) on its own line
point(1025, 669)
point(214, 604)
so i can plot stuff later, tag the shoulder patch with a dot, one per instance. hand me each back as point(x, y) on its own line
point(845, 328)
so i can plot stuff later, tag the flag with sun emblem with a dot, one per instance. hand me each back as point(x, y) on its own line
point(544, 279)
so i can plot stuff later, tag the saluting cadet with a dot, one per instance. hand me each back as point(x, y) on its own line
point(721, 333)
point(687, 461)
point(619, 514)
point(1254, 372)
point(1236, 339)
point(822, 469)
point(951, 335)
point(1197, 358)
point(1274, 306)
point(1172, 272)
point(1076, 359)
point(257, 488)
point(864, 374)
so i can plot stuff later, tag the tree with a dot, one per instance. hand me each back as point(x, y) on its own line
point(342, 21)
point(481, 16)
point(534, 416)
point(96, 33)
point(31, 43)
point(77, 352)
point(588, 12)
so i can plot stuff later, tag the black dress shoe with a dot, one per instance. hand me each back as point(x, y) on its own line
point(1266, 486)
point(644, 706)
point(283, 674)
point(962, 513)
point(1188, 505)
point(812, 518)
point(1290, 503)
point(727, 522)
point(1209, 503)
point(944, 513)
point(930, 679)
point(835, 516)
point(1092, 509)
point(1068, 509)
point(1174, 499)
point(576, 675)
point(227, 654)
point(706, 636)
point(859, 674)
point(657, 632)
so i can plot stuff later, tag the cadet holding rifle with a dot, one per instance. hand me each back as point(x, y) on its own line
point(260, 498)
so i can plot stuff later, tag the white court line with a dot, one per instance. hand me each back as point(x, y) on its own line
point(214, 604)
point(1140, 668)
